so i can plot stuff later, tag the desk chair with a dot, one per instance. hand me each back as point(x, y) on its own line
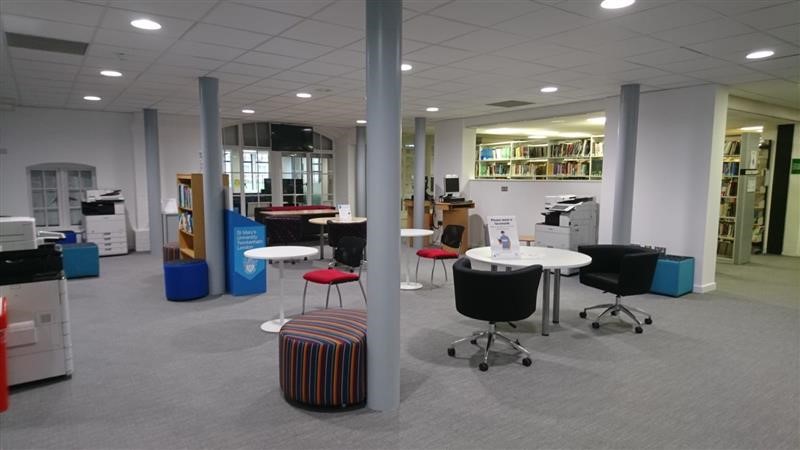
point(338, 230)
point(451, 237)
point(349, 253)
point(621, 270)
point(495, 297)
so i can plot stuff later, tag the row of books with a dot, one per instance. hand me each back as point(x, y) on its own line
point(493, 170)
point(530, 151)
point(730, 168)
point(727, 209)
point(729, 187)
point(758, 234)
point(185, 222)
point(732, 148)
point(185, 196)
point(499, 152)
point(571, 168)
point(726, 229)
point(725, 248)
point(577, 148)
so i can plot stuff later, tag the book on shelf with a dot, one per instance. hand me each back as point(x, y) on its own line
point(730, 168)
point(725, 248)
point(729, 187)
point(726, 229)
point(727, 207)
point(185, 196)
point(185, 222)
point(732, 148)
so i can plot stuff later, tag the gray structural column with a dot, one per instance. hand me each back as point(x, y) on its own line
point(419, 176)
point(213, 193)
point(153, 179)
point(384, 32)
point(623, 192)
point(361, 171)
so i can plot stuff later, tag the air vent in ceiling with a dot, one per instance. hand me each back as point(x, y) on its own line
point(510, 104)
point(46, 44)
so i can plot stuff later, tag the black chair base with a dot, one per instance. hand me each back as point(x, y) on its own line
point(614, 309)
point(492, 335)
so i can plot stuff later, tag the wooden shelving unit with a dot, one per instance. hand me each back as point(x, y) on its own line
point(572, 159)
point(191, 231)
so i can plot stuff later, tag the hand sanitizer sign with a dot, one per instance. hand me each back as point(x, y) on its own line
point(503, 236)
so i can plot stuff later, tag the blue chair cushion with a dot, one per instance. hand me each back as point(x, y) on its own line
point(80, 260)
point(185, 279)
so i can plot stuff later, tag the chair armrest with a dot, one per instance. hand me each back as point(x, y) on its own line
point(636, 272)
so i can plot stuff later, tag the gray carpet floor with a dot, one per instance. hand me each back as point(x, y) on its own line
point(720, 370)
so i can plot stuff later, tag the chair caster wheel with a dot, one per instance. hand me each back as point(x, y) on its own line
point(483, 366)
point(473, 342)
point(638, 330)
point(648, 321)
point(582, 314)
point(517, 342)
point(451, 352)
point(614, 313)
point(526, 362)
point(595, 325)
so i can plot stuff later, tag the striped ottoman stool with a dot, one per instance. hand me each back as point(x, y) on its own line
point(323, 359)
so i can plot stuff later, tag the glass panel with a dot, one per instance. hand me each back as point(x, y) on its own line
point(249, 184)
point(249, 135)
point(38, 216)
point(36, 179)
point(325, 143)
point(248, 155)
point(51, 198)
point(263, 168)
point(74, 198)
point(50, 180)
point(263, 156)
point(237, 182)
point(75, 217)
point(52, 218)
point(88, 179)
point(230, 135)
point(74, 179)
point(38, 198)
point(227, 167)
point(262, 129)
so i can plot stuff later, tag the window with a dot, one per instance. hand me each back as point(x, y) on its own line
point(57, 191)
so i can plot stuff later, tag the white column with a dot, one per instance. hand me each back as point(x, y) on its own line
point(153, 179)
point(213, 193)
point(419, 176)
point(623, 183)
point(361, 171)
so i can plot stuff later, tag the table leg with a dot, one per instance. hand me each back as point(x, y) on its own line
point(274, 326)
point(408, 285)
point(556, 294)
point(322, 242)
point(545, 301)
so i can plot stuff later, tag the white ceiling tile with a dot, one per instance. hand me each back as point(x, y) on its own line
point(206, 50)
point(190, 10)
point(304, 8)
point(323, 68)
point(323, 33)
point(790, 33)
point(269, 60)
point(737, 47)
point(505, 65)
point(291, 47)
point(444, 73)
point(359, 74)
point(58, 10)
point(531, 51)
point(731, 74)
point(175, 59)
point(188, 72)
point(485, 40)
point(671, 80)
point(423, 5)
point(348, 13)
point(120, 19)
point(607, 66)
point(214, 34)
point(122, 53)
point(250, 19)
point(701, 32)
point(449, 86)
point(121, 65)
point(434, 29)
point(45, 66)
point(593, 10)
point(249, 70)
point(300, 77)
point(438, 55)
point(278, 84)
point(342, 83)
point(666, 17)
point(40, 55)
point(591, 36)
point(734, 7)
point(572, 59)
point(234, 78)
point(345, 57)
point(630, 47)
point(131, 40)
point(484, 13)
point(773, 17)
point(543, 22)
point(664, 56)
point(691, 65)
point(415, 82)
point(46, 28)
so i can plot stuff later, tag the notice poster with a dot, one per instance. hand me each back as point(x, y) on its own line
point(503, 236)
point(345, 215)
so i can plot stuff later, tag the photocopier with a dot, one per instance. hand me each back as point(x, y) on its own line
point(569, 221)
point(32, 280)
point(105, 221)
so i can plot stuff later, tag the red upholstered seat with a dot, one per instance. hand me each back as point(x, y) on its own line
point(330, 276)
point(436, 253)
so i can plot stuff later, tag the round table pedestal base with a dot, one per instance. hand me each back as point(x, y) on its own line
point(410, 286)
point(273, 326)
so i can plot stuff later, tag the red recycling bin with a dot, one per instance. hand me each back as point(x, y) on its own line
point(3, 362)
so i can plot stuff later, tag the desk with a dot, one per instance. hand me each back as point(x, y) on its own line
point(527, 239)
point(411, 233)
point(301, 212)
point(551, 259)
point(280, 254)
point(452, 214)
point(322, 221)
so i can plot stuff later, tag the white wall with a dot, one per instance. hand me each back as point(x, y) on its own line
point(39, 135)
point(791, 231)
point(677, 177)
point(179, 150)
point(454, 153)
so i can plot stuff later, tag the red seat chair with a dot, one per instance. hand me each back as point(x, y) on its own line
point(451, 239)
point(349, 253)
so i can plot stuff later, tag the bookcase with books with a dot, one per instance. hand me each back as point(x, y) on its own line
point(738, 224)
point(191, 231)
point(547, 160)
point(760, 202)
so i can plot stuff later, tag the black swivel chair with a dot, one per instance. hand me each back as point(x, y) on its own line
point(622, 270)
point(338, 230)
point(494, 297)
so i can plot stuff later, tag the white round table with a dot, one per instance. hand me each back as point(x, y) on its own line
point(410, 233)
point(322, 221)
point(551, 259)
point(280, 254)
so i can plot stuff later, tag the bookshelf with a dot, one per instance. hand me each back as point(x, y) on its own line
point(738, 225)
point(760, 202)
point(191, 231)
point(570, 159)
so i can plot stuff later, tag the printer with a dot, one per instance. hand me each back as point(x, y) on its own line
point(569, 221)
point(105, 220)
point(19, 233)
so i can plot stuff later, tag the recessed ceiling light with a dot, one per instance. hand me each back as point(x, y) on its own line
point(758, 128)
point(597, 120)
point(361, 121)
point(146, 24)
point(409, 146)
point(110, 73)
point(558, 121)
point(406, 67)
point(616, 4)
point(431, 109)
point(548, 89)
point(249, 111)
point(303, 95)
point(760, 54)
point(92, 98)
point(537, 136)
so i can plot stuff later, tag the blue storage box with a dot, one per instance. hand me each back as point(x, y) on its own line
point(185, 279)
point(69, 237)
point(674, 275)
point(80, 260)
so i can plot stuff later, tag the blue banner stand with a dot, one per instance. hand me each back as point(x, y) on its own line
point(244, 276)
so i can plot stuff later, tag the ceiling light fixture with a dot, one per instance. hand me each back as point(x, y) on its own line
point(760, 54)
point(406, 67)
point(249, 111)
point(537, 136)
point(145, 24)
point(597, 120)
point(548, 89)
point(361, 121)
point(616, 4)
point(432, 109)
point(110, 73)
point(303, 95)
point(757, 128)
point(92, 98)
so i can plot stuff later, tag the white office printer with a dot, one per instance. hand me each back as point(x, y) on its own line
point(569, 221)
point(19, 233)
point(106, 225)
